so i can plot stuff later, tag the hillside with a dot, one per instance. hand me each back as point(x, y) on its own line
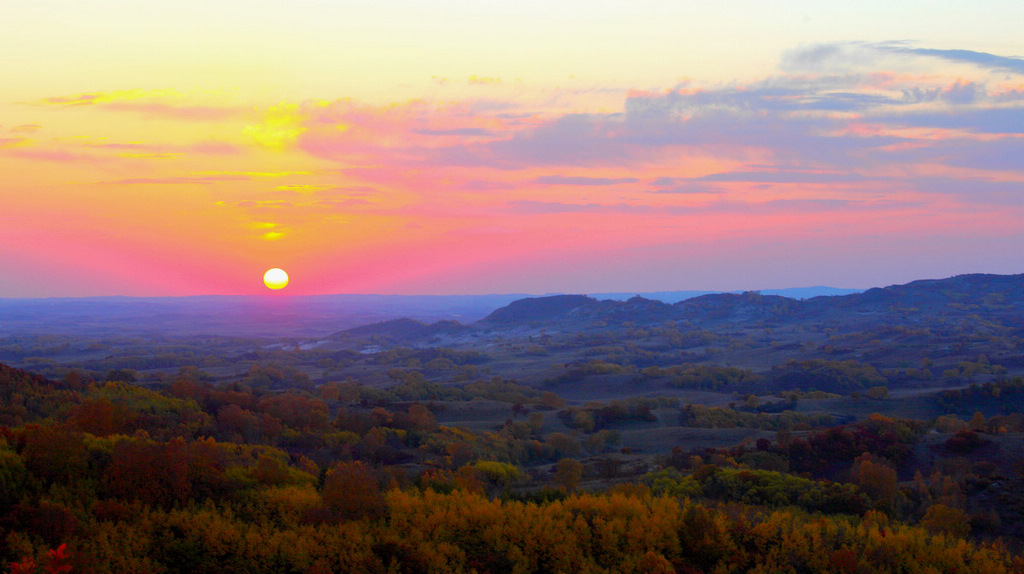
point(896, 410)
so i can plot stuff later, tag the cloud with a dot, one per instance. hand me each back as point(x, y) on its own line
point(723, 206)
point(483, 80)
point(249, 174)
point(809, 205)
point(93, 98)
point(164, 104)
point(59, 155)
point(457, 132)
point(1003, 154)
point(257, 203)
point(982, 59)
point(343, 203)
point(974, 191)
point(802, 205)
point(163, 150)
point(568, 140)
point(214, 148)
point(991, 120)
point(839, 57)
point(957, 93)
point(550, 207)
point(782, 176)
point(76, 100)
point(176, 180)
point(303, 188)
point(178, 112)
point(578, 180)
point(682, 186)
point(481, 185)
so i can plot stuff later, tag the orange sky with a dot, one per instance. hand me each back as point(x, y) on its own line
point(186, 150)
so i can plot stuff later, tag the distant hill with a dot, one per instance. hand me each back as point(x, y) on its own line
point(538, 309)
point(677, 296)
point(914, 303)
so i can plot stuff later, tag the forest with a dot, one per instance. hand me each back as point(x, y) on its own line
point(605, 439)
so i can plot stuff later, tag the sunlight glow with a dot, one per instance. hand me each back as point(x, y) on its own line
point(275, 279)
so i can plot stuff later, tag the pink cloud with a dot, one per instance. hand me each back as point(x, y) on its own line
point(76, 100)
point(53, 155)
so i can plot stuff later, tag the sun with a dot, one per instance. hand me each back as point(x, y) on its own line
point(275, 278)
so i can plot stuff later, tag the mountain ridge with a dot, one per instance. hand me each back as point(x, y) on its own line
point(920, 301)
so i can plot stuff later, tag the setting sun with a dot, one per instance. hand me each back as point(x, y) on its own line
point(275, 278)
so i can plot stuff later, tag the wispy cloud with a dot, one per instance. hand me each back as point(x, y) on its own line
point(552, 207)
point(176, 180)
point(178, 112)
point(581, 180)
point(166, 104)
point(983, 59)
point(783, 176)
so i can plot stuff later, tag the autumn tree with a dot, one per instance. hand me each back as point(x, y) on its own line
point(568, 472)
point(54, 454)
point(352, 492)
point(101, 417)
point(876, 478)
point(942, 519)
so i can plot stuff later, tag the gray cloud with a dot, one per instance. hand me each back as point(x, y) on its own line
point(834, 56)
point(982, 59)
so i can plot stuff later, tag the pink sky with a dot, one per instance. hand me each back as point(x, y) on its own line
point(851, 164)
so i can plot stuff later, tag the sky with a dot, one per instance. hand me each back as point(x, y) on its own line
point(466, 147)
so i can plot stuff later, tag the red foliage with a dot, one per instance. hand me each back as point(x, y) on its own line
point(26, 566)
point(845, 561)
point(57, 563)
point(59, 559)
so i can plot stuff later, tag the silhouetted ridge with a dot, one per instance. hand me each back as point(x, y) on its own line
point(538, 309)
point(917, 303)
point(738, 306)
point(986, 292)
point(636, 310)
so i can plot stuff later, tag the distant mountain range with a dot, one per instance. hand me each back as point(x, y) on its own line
point(314, 316)
point(998, 299)
point(677, 296)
